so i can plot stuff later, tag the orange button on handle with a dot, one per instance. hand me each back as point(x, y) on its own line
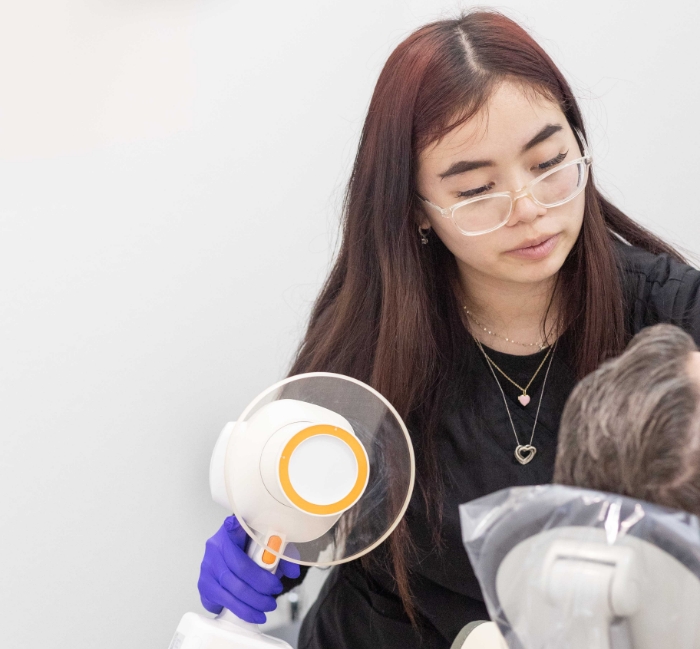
point(274, 543)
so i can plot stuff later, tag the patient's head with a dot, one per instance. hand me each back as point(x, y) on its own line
point(633, 425)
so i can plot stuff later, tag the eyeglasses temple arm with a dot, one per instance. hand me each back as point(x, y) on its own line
point(582, 142)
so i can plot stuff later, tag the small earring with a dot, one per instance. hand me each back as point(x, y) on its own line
point(423, 235)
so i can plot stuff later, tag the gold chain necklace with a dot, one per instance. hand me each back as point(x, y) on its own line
point(524, 398)
point(523, 452)
point(541, 344)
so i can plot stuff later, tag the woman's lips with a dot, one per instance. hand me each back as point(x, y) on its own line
point(540, 251)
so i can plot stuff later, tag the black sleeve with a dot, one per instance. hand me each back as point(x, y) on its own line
point(659, 288)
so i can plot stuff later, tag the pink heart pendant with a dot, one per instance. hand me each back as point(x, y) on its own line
point(524, 399)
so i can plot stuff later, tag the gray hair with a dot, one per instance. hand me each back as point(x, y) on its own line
point(633, 425)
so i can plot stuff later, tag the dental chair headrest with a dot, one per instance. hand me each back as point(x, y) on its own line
point(568, 567)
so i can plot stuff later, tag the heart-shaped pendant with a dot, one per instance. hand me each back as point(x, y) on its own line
point(524, 453)
point(524, 399)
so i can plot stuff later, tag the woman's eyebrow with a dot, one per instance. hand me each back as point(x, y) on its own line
point(545, 132)
point(463, 166)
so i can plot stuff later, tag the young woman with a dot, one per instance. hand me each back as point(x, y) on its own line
point(481, 274)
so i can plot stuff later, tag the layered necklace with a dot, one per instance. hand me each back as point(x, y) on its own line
point(524, 398)
point(541, 344)
point(524, 453)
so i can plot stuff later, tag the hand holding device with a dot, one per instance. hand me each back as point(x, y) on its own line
point(318, 470)
point(230, 578)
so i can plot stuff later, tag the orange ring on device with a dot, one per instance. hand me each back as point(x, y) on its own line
point(362, 470)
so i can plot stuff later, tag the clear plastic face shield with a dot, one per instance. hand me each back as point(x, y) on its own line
point(568, 567)
point(318, 469)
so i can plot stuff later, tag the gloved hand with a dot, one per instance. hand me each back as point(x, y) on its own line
point(230, 578)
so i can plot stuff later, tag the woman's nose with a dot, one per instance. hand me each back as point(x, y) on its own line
point(525, 210)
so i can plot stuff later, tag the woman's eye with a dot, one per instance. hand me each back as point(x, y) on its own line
point(474, 192)
point(553, 162)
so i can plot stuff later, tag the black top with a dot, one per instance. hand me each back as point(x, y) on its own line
point(359, 608)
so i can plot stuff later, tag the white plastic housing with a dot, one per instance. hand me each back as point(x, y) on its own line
point(322, 469)
point(483, 636)
point(244, 476)
point(217, 472)
point(570, 580)
point(224, 632)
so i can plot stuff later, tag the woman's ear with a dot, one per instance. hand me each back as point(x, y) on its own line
point(421, 218)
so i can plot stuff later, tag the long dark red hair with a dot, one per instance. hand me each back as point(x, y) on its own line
point(388, 314)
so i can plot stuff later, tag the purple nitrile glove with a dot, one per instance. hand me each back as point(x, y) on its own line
point(230, 578)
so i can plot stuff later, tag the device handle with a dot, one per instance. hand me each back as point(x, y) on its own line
point(232, 618)
point(262, 556)
point(265, 559)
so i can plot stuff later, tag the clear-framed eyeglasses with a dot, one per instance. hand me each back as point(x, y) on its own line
point(556, 186)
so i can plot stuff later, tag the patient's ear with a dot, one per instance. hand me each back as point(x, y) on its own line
point(694, 367)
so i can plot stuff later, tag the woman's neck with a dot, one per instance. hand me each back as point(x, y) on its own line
point(511, 310)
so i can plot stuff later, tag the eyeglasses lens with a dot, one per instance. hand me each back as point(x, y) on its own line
point(482, 215)
point(560, 186)
point(492, 211)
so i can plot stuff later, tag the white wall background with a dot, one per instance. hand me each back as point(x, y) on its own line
point(170, 177)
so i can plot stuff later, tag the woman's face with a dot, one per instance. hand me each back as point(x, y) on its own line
point(504, 135)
